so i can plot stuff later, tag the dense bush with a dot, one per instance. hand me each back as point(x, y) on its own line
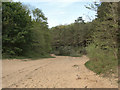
point(101, 61)
point(65, 50)
point(71, 39)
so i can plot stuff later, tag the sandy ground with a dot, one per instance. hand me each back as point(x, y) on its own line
point(59, 72)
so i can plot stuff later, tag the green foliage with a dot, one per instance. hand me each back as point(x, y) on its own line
point(104, 49)
point(22, 35)
point(15, 23)
point(72, 38)
point(40, 43)
point(101, 61)
point(65, 50)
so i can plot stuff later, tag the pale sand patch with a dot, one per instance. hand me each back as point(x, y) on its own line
point(59, 72)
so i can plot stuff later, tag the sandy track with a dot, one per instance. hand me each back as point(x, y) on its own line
point(59, 72)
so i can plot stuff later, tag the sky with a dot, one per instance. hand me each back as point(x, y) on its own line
point(60, 12)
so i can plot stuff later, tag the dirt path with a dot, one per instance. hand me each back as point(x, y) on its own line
point(59, 72)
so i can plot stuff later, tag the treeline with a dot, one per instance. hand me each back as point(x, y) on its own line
point(98, 39)
point(72, 39)
point(22, 34)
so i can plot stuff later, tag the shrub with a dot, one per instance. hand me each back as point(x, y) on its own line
point(66, 50)
point(100, 61)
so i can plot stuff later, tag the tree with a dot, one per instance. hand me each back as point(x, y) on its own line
point(41, 39)
point(16, 24)
point(104, 48)
point(39, 16)
point(105, 35)
point(22, 35)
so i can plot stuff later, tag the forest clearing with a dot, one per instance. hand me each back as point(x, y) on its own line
point(83, 38)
